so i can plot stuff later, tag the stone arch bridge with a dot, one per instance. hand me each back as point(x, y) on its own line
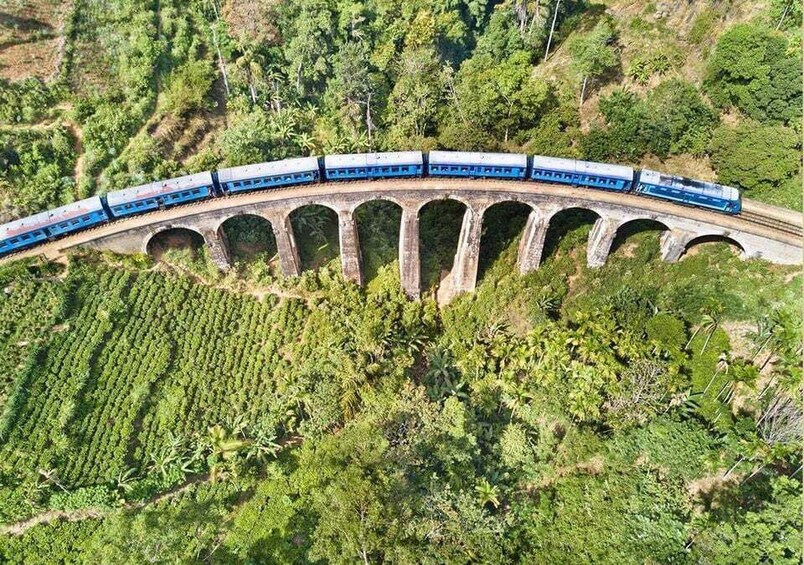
point(761, 231)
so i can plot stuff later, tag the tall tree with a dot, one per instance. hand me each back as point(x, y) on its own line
point(594, 54)
point(414, 99)
point(350, 89)
point(753, 70)
point(502, 98)
point(308, 52)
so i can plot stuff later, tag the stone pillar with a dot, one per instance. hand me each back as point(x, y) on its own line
point(531, 246)
point(285, 244)
point(350, 247)
point(603, 233)
point(218, 248)
point(673, 243)
point(409, 263)
point(464, 268)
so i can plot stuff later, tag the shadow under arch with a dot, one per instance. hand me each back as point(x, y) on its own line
point(503, 225)
point(248, 237)
point(713, 240)
point(439, 230)
point(568, 228)
point(316, 231)
point(378, 226)
point(174, 238)
point(632, 228)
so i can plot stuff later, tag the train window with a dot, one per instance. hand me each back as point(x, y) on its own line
point(14, 240)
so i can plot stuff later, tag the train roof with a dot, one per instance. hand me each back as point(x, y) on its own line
point(356, 160)
point(690, 185)
point(272, 168)
point(159, 187)
point(475, 158)
point(576, 166)
point(50, 217)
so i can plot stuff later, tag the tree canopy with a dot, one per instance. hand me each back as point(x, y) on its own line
point(754, 70)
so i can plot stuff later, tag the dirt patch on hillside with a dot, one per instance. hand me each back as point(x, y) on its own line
point(741, 346)
point(253, 20)
point(31, 38)
point(707, 491)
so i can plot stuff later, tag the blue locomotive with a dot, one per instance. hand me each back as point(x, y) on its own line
point(27, 232)
point(689, 191)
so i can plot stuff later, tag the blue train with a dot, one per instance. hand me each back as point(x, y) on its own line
point(27, 232)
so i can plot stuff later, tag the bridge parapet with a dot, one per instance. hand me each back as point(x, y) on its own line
point(684, 225)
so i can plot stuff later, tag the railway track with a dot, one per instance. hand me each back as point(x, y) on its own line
point(786, 224)
point(773, 223)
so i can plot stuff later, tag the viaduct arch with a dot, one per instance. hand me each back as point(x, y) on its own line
point(684, 225)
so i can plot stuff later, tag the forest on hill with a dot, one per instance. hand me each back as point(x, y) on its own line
point(149, 90)
point(154, 409)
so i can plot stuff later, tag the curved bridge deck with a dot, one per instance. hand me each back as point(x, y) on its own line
point(761, 231)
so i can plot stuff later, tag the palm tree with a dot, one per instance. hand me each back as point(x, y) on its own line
point(262, 446)
point(487, 493)
point(275, 78)
point(50, 477)
point(284, 124)
point(224, 448)
point(547, 303)
point(723, 363)
point(710, 322)
point(250, 64)
point(442, 376)
point(305, 141)
point(124, 479)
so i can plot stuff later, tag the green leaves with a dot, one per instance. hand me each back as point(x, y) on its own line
point(755, 157)
point(594, 54)
point(672, 119)
point(188, 87)
point(501, 99)
point(753, 70)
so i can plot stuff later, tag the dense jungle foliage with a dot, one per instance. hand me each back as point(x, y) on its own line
point(147, 90)
point(640, 412)
point(161, 411)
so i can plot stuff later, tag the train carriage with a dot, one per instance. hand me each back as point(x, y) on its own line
point(63, 220)
point(689, 191)
point(478, 165)
point(160, 194)
point(301, 170)
point(581, 173)
point(357, 166)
